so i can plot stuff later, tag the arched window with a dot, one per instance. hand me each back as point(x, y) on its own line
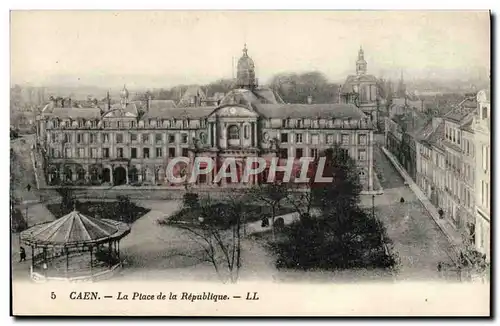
point(234, 132)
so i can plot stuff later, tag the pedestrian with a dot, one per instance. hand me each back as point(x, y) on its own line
point(28, 187)
point(402, 200)
point(265, 222)
point(22, 253)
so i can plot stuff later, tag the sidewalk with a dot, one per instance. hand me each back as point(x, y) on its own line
point(451, 233)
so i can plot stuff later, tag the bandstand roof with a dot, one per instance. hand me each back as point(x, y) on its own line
point(75, 229)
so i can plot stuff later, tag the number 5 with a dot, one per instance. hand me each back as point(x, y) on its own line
point(52, 295)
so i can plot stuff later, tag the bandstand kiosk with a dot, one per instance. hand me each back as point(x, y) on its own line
point(75, 248)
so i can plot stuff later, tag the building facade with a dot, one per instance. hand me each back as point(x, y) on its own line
point(482, 140)
point(121, 145)
point(361, 89)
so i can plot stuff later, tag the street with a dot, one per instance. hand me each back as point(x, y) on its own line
point(417, 239)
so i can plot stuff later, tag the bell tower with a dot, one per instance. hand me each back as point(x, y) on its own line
point(361, 62)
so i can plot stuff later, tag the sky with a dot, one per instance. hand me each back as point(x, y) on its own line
point(162, 48)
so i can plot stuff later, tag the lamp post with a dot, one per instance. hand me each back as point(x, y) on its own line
point(373, 206)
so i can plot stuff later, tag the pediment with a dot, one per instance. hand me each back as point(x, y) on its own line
point(234, 111)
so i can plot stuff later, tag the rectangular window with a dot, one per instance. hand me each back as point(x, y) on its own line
point(299, 152)
point(362, 139)
point(298, 138)
point(362, 154)
point(133, 137)
point(67, 152)
point(105, 152)
point(344, 152)
point(345, 139)
point(184, 138)
point(93, 138)
point(171, 139)
point(79, 138)
point(315, 139)
point(119, 138)
point(299, 123)
point(159, 152)
point(485, 158)
point(145, 138)
point(145, 152)
point(284, 137)
point(93, 152)
point(329, 139)
point(133, 152)
point(185, 152)
point(81, 152)
point(158, 138)
point(283, 153)
point(132, 124)
point(119, 124)
point(119, 152)
point(314, 153)
point(105, 138)
point(283, 123)
point(171, 152)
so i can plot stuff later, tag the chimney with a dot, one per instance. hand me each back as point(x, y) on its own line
point(69, 102)
point(148, 102)
point(309, 99)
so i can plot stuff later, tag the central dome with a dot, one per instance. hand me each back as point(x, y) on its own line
point(245, 77)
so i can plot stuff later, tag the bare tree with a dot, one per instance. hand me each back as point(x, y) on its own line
point(218, 232)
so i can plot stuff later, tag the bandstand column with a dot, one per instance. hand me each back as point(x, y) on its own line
point(67, 260)
point(91, 260)
point(110, 247)
point(32, 257)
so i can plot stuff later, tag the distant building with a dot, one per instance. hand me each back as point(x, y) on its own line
point(401, 135)
point(192, 97)
point(118, 145)
point(361, 89)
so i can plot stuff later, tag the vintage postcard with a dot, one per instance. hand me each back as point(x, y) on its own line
point(250, 163)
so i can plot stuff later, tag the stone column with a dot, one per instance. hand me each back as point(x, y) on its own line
point(210, 134)
point(255, 139)
point(126, 175)
point(214, 134)
point(242, 134)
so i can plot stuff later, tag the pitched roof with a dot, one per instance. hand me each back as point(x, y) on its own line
point(355, 79)
point(75, 229)
point(181, 112)
point(437, 136)
point(338, 111)
point(130, 108)
point(75, 113)
point(190, 92)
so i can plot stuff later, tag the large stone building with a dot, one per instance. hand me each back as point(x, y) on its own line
point(121, 145)
point(361, 89)
point(482, 127)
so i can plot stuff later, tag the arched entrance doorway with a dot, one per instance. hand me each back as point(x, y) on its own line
point(106, 175)
point(119, 176)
